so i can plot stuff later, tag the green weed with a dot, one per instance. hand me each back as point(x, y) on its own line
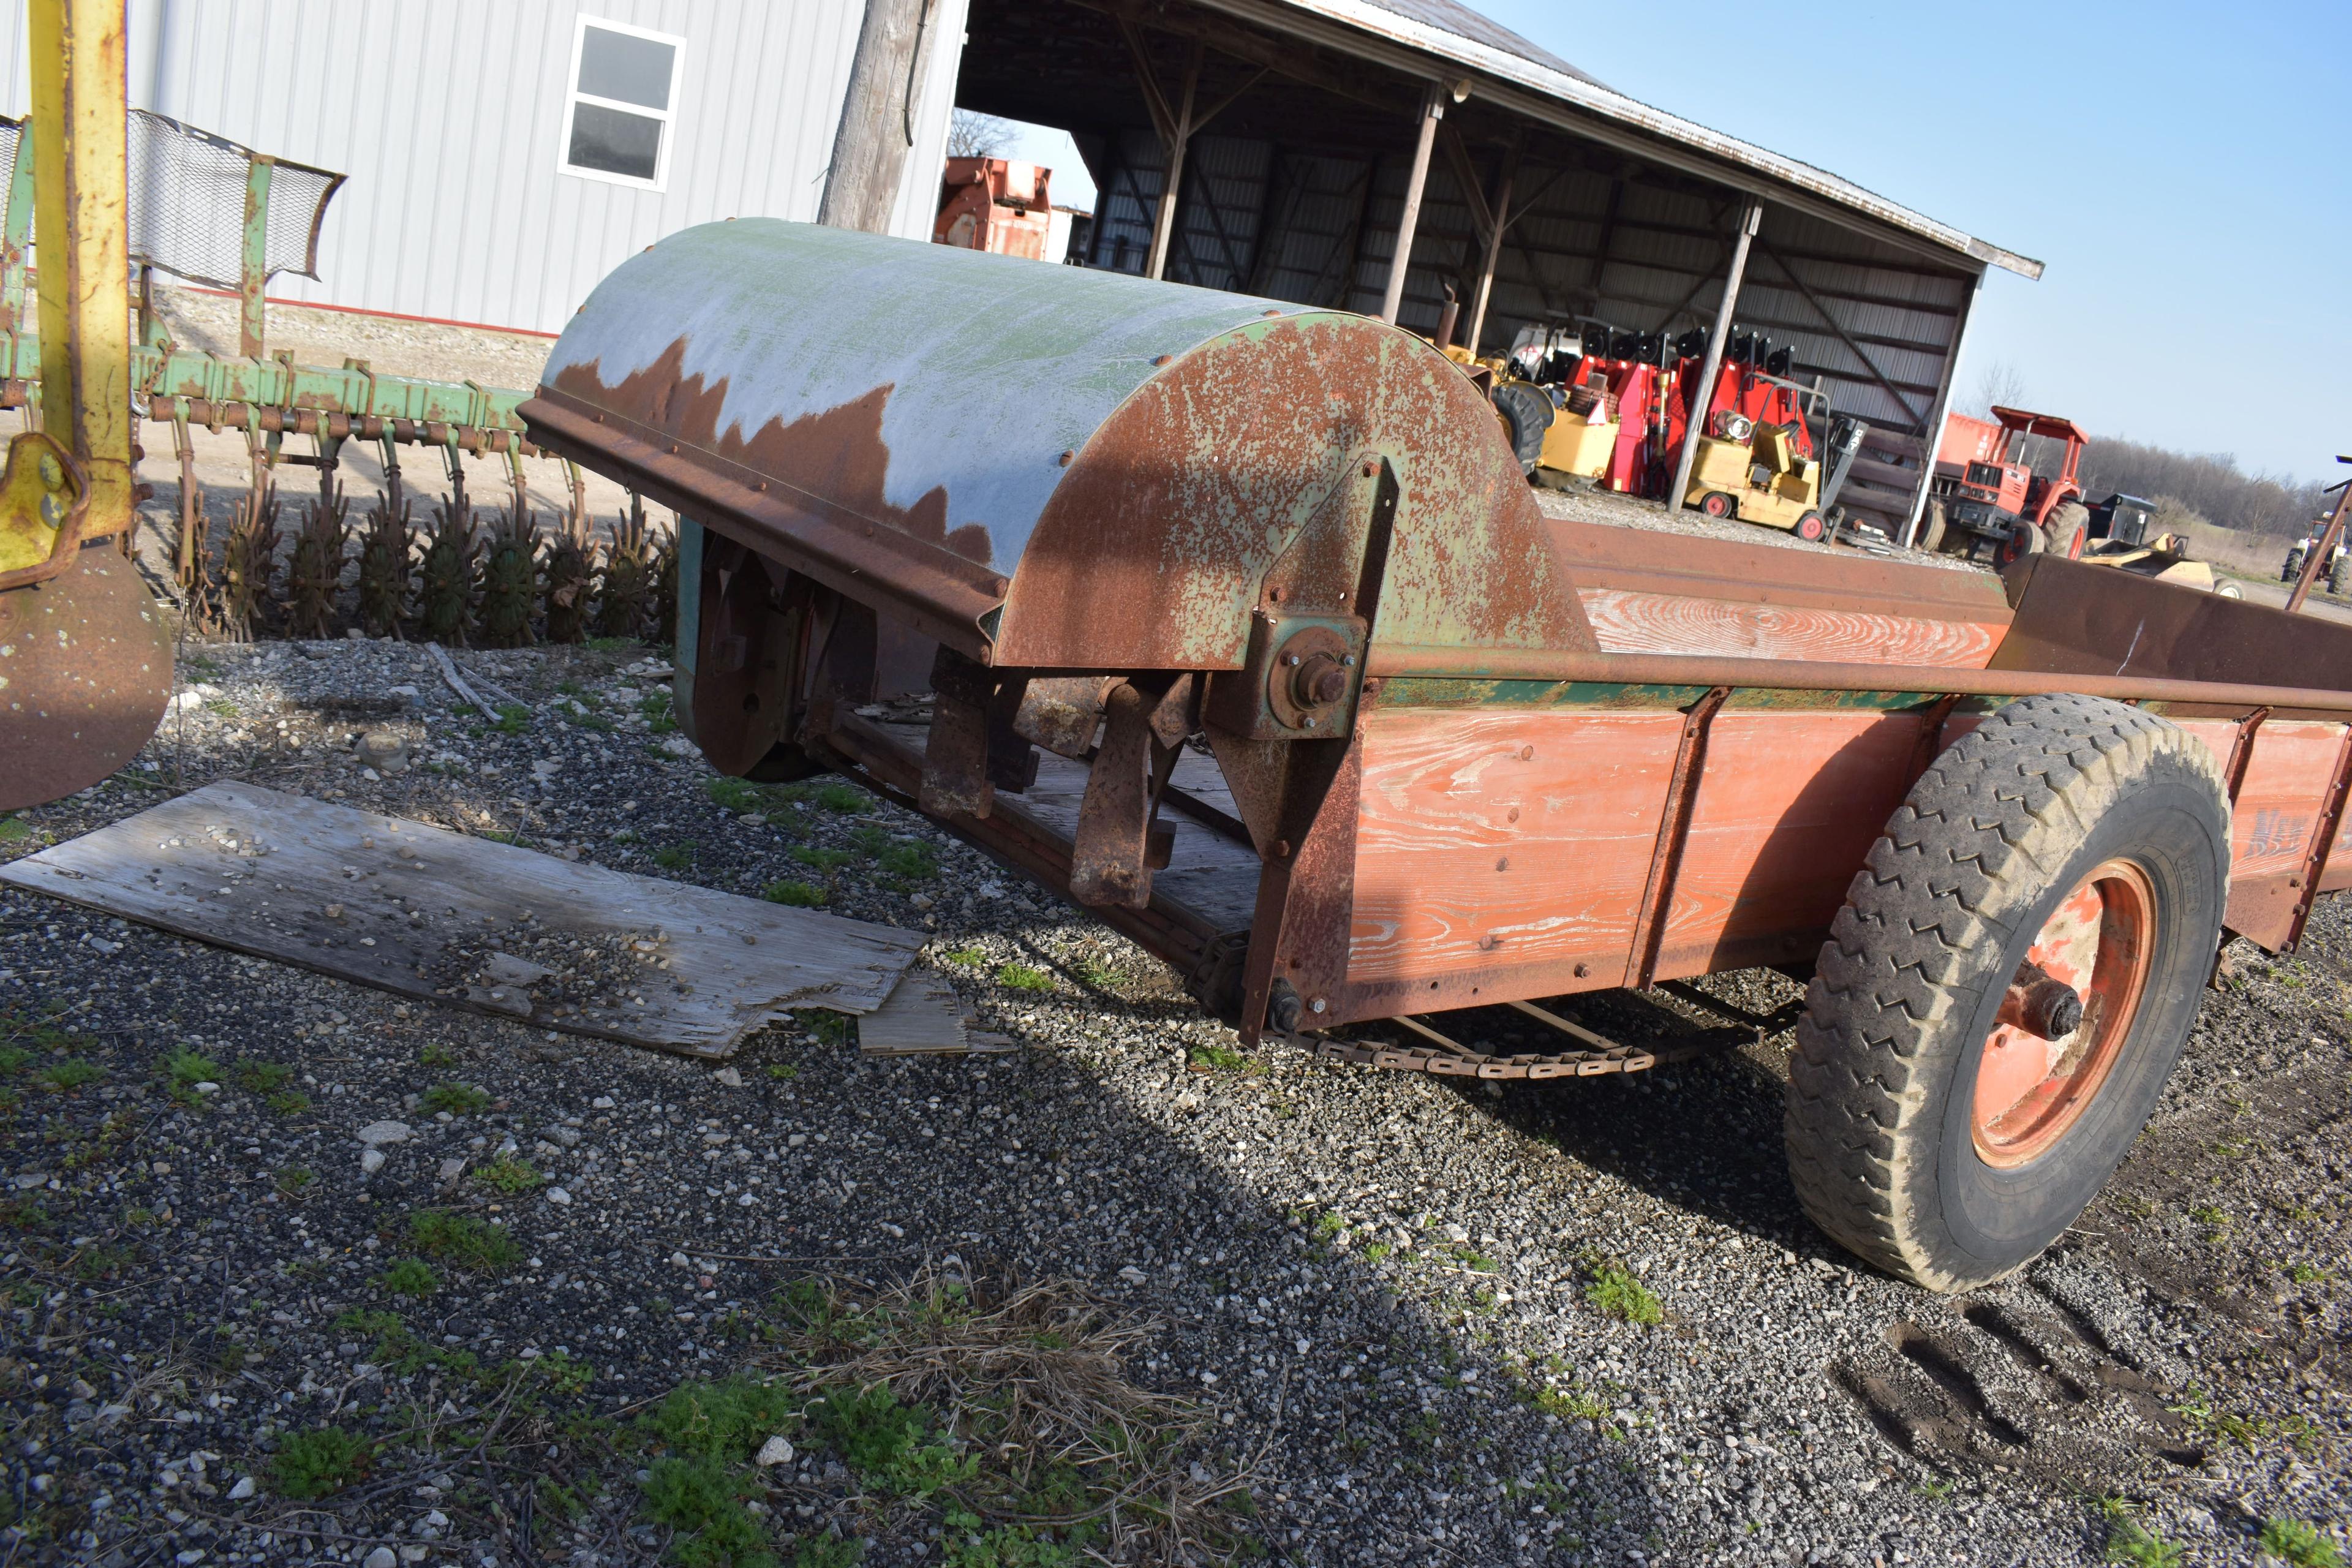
point(289, 1102)
point(910, 859)
point(674, 857)
point(13, 829)
point(1021, 978)
point(462, 1241)
point(184, 1069)
point(2129, 1541)
point(886, 1443)
point(258, 1076)
point(830, 1028)
point(794, 894)
point(508, 1175)
point(968, 957)
point(2293, 1541)
point(1616, 1293)
point(437, 1056)
point(843, 798)
point(513, 718)
point(458, 1098)
point(821, 859)
point(74, 1072)
point(292, 1179)
point(1221, 1058)
point(319, 1462)
point(409, 1277)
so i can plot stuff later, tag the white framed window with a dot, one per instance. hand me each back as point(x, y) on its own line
point(620, 113)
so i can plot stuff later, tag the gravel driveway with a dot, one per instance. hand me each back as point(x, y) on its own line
point(1352, 1316)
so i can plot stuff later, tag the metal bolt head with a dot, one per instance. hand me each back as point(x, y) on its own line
point(1317, 1006)
point(1347, 660)
point(1290, 658)
point(1307, 723)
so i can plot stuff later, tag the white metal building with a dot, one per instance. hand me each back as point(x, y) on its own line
point(489, 180)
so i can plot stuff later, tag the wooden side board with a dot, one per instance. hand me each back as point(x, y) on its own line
point(1527, 841)
point(1520, 846)
point(1632, 621)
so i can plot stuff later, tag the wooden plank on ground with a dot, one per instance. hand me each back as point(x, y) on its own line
point(924, 1016)
point(425, 912)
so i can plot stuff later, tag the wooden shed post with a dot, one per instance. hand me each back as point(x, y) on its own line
point(1500, 212)
point(1432, 110)
point(1933, 435)
point(1175, 135)
point(1704, 394)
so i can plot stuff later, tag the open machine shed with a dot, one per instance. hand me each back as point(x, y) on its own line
point(1308, 135)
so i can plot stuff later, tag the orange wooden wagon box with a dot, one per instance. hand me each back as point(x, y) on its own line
point(1235, 622)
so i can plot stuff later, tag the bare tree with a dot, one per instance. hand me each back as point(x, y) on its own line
point(971, 135)
point(1999, 384)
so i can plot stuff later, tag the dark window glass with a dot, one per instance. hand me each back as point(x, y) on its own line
point(624, 68)
point(614, 142)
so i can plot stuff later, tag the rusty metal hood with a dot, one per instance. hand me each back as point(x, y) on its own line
point(1040, 465)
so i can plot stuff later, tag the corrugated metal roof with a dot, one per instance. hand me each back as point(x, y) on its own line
point(1463, 23)
point(1535, 83)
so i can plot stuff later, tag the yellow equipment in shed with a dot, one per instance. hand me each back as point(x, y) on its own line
point(1754, 472)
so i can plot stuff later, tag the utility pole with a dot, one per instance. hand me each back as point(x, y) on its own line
point(878, 115)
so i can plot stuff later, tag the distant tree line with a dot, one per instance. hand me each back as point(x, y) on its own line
point(2211, 485)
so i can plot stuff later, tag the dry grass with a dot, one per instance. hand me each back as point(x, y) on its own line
point(1032, 1378)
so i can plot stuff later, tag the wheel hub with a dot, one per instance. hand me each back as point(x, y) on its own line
point(2067, 1011)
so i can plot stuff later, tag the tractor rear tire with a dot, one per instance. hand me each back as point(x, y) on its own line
point(2065, 533)
point(2095, 837)
point(2335, 579)
point(1526, 414)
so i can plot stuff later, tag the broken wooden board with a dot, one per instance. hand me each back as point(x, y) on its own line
point(425, 912)
point(924, 1016)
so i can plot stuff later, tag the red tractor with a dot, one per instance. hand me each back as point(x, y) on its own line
point(1984, 498)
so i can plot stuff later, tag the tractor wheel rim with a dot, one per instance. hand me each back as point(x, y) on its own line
point(2100, 941)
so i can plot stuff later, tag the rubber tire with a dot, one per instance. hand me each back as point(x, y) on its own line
point(2229, 591)
point(2335, 579)
point(2294, 566)
point(1717, 505)
point(1526, 414)
point(2024, 540)
point(1882, 1084)
point(2064, 533)
point(1810, 526)
point(1931, 528)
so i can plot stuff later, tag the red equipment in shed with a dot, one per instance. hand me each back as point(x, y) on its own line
point(992, 203)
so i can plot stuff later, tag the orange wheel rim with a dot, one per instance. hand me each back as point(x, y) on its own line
point(2099, 941)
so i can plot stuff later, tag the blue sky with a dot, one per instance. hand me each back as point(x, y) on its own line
point(2177, 166)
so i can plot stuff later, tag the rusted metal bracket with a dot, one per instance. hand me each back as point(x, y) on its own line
point(1674, 832)
point(2242, 750)
point(1299, 681)
point(955, 758)
point(2323, 840)
point(1119, 843)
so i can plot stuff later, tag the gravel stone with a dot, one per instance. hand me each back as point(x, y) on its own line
point(1382, 1288)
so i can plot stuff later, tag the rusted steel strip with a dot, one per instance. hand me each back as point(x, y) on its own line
point(1394, 661)
point(2242, 750)
point(2323, 840)
point(1674, 832)
point(1930, 745)
point(937, 593)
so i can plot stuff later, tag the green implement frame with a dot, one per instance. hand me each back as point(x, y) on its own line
point(267, 397)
